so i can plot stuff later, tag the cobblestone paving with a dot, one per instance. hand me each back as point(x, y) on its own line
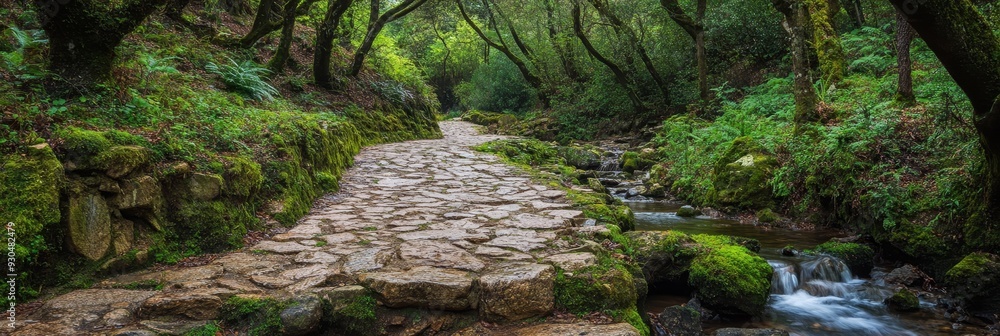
point(427, 224)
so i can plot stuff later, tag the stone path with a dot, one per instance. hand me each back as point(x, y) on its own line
point(428, 224)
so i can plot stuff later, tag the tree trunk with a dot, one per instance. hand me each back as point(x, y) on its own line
point(83, 36)
point(620, 77)
point(695, 29)
point(560, 46)
point(856, 13)
point(174, 10)
point(263, 24)
point(393, 14)
point(236, 7)
point(904, 36)
point(324, 42)
point(277, 63)
point(826, 42)
point(796, 17)
point(605, 10)
point(967, 47)
point(532, 80)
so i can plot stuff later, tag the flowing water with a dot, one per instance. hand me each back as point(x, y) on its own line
point(810, 295)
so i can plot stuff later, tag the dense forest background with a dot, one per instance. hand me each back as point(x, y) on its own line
point(854, 120)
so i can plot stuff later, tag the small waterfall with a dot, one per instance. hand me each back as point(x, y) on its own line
point(611, 160)
point(820, 296)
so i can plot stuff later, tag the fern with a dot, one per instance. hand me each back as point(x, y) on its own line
point(247, 78)
point(16, 61)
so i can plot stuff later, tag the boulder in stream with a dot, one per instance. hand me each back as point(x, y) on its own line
point(750, 332)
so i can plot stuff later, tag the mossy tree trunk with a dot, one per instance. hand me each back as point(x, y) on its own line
point(325, 35)
point(620, 76)
point(796, 18)
point(826, 42)
point(696, 29)
point(904, 37)
point(263, 23)
point(633, 39)
point(560, 44)
point(522, 67)
point(393, 14)
point(965, 43)
point(280, 58)
point(236, 7)
point(83, 35)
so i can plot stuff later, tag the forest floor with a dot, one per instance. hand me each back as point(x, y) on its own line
point(429, 225)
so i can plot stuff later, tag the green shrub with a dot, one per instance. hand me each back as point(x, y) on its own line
point(247, 78)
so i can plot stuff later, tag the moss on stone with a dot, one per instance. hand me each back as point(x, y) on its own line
point(81, 142)
point(742, 176)
point(607, 286)
point(243, 176)
point(121, 160)
point(903, 300)
point(732, 280)
point(356, 315)
point(716, 241)
point(859, 258)
point(767, 216)
point(253, 316)
point(209, 226)
point(619, 215)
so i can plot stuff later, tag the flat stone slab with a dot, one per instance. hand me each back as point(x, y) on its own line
point(572, 262)
point(423, 287)
point(438, 254)
point(520, 243)
point(531, 221)
point(517, 292)
point(282, 247)
point(449, 234)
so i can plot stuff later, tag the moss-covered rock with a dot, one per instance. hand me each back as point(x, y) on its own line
point(603, 287)
point(654, 190)
point(903, 300)
point(731, 279)
point(665, 256)
point(89, 221)
point(243, 177)
point(767, 216)
point(859, 258)
point(253, 315)
point(630, 161)
point(596, 185)
point(742, 176)
point(581, 157)
point(122, 160)
point(30, 185)
point(974, 280)
point(619, 215)
point(688, 211)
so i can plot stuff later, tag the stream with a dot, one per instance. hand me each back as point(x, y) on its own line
point(810, 295)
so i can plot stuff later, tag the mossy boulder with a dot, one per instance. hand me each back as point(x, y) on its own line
point(903, 300)
point(89, 222)
point(596, 185)
point(742, 176)
point(243, 177)
point(119, 161)
point(859, 258)
point(688, 211)
point(581, 157)
point(974, 280)
point(732, 280)
point(30, 183)
point(620, 215)
point(630, 161)
point(204, 187)
point(654, 190)
point(603, 287)
point(767, 216)
point(665, 256)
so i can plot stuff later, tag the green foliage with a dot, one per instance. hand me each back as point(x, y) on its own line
point(21, 59)
point(247, 78)
point(252, 316)
point(209, 329)
point(496, 86)
point(355, 315)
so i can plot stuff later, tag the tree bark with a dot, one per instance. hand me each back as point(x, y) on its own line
point(620, 76)
point(263, 24)
point(83, 36)
point(967, 47)
point(532, 80)
point(393, 14)
point(277, 63)
point(605, 10)
point(236, 7)
point(826, 41)
point(561, 47)
point(696, 29)
point(796, 18)
point(325, 35)
point(856, 12)
point(904, 37)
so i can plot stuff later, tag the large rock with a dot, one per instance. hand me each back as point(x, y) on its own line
point(572, 262)
point(303, 316)
point(560, 329)
point(123, 235)
point(580, 157)
point(423, 287)
point(204, 187)
point(194, 304)
point(974, 282)
point(742, 176)
point(89, 222)
point(908, 275)
point(122, 160)
point(139, 192)
point(516, 292)
point(682, 320)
